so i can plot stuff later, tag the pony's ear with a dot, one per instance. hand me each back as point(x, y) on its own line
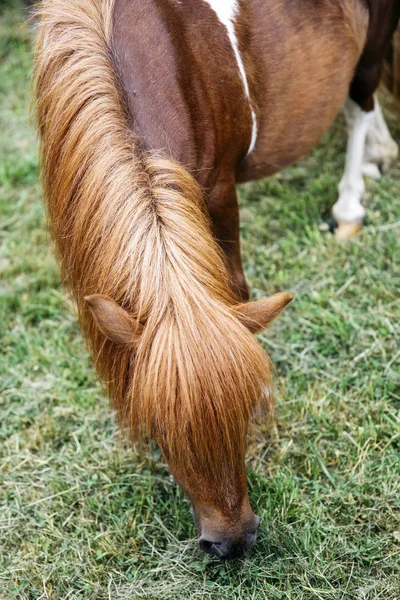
point(113, 321)
point(256, 316)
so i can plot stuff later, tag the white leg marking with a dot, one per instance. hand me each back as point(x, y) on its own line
point(226, 11)
point(381, 149)
point(348, 208)
point(371, 170)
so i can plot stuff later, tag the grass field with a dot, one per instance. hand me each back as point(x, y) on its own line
point(84, 517)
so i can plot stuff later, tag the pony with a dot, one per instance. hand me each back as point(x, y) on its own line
point(149, 112)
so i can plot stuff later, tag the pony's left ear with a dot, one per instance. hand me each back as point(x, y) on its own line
point(113, 321)
point(257, 315)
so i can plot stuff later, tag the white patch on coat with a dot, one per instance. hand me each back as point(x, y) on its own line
point(226, 11)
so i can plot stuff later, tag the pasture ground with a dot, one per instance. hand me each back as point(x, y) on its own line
point(84, 517)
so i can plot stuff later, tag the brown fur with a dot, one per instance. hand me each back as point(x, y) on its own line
point(383, 19)
point(302, 75)
point(131, 226)
point(186, 96)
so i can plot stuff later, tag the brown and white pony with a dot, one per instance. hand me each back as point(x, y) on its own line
point(150, 112)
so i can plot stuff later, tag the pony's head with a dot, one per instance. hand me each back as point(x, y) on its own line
point(195, 382)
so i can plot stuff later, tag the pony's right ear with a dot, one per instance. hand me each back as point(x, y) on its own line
point(113, 321)
point(257, 315)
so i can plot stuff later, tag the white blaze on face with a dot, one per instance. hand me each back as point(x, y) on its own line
point(226, 11)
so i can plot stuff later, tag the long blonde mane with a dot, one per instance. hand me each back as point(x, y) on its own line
point(132, 226)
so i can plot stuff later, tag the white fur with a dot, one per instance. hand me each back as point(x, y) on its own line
point(380, 148)
point(348, 208)
point(226, 11)
point(369, 149)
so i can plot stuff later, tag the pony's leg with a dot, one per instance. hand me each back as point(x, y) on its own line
point(369, 143)
point(224, 212)
point(370, 151)
point(348, 210)
point(380, 149)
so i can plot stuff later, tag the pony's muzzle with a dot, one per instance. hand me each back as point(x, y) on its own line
point(228, 547)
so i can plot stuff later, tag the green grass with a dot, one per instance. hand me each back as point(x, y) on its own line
point(84, 517)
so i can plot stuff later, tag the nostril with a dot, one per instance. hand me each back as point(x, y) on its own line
point(220, 549)
point(205, 545)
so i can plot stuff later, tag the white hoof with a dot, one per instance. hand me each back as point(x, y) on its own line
point(346, 231)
